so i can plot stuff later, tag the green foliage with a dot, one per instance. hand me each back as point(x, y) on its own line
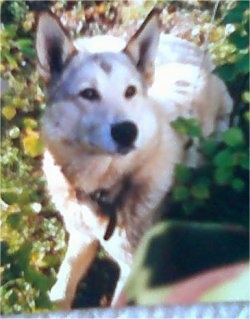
point(239, 17)
point(218, 189)
point(189, 127)
point(29, 232)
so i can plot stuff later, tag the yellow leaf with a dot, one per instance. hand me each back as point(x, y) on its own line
point(9, 112)
point(37, 259)
point(2, 67)
point(32, 143)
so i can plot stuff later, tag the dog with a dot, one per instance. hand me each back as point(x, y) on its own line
point(110, 147)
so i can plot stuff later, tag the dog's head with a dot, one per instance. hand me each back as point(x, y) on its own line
point(97, 102)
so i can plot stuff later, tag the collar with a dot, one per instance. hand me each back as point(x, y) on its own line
point(106, 206)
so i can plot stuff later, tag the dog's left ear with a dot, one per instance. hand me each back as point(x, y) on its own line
point(142, 47)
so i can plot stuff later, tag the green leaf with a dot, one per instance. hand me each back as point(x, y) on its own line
point(182, 174)
point(11, 29)
point(200, 191)
point(224, 159)
point(239, 41)
point(10, 196)
point(179, 125)
point(189, 127)
point(209, 147)
point(242, 64)
point(15, 221)
point(37, 279)
point(43, 301)
point(11, 60)
point(194, 129)
point(233, 137)
point(235, 15)
point(238, 184)
point(30, 122)
point(223, 175)
point(241, 158)
point(246, 115)
point(5, 258)
point(22, 43)
point(26, 46)
point(180, 193)
point(226, 72)
point(23, 255)
point(244, 161)
point(246, 98)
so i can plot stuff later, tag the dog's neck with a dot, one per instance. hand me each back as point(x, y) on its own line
point(107, 203)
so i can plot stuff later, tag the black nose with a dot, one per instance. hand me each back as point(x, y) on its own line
point(124, 133)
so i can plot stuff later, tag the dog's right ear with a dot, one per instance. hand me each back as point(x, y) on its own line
point(142, 47)
point(53, 45)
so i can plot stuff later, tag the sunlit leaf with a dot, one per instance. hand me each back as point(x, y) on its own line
point(187, 126)
point(23, 43)
point(30, 123)
point(224, 158)
point(246, 97)
point(12, 63)
point(9, 112)
point(32, 143)
point(182, 173)
point(14, 132)
point(37, 279)
point(11, 29)
point(233, 137)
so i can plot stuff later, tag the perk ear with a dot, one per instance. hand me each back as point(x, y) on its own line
point(142, 47)
point(53, 45)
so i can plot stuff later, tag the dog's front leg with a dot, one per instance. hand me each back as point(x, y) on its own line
point(79, 256)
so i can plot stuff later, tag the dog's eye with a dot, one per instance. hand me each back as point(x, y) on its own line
point(130, 91)
point(90, 94)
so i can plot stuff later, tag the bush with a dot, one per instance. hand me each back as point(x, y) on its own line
point(218, 189)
